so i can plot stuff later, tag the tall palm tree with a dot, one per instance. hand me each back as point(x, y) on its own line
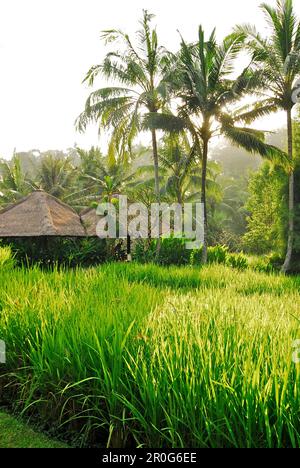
point(209, 102)
point(276, 61)
point(137, 71)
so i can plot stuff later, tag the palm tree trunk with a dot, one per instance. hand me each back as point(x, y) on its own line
point(156, 178)
point(288, 259)
point(156, 166)
point(179, 197)
point(203, 199)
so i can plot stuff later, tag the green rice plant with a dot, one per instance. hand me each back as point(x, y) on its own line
point(6, 258)
point(141, 355)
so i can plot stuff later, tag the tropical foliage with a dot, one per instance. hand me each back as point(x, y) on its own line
point(209, 102)
point(276, 68)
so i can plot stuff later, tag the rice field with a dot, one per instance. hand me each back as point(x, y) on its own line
point(126, 355)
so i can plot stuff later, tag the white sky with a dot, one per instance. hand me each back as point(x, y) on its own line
point(47, 46)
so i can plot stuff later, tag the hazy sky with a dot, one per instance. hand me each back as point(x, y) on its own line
point(46, 47)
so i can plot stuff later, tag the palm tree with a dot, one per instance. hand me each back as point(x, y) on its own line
point(111, 179)
point(99, 178)
point(201, 80)
point(56, 176)
point(137, 69)
point(14, 182)
point(276, 61)
point(179, 159)
point(91, 161)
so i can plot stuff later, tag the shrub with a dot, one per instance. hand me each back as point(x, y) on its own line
point(66, 251)
point(143, 251)
point(261, 264)
point(86, 252)
point(172, 252)
point(220, 255)
point(275, 261)
point(217, 254)
point(238, 261)
point(264, 267)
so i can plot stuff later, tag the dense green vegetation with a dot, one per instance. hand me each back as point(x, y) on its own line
point(247, 200)
point(171, 357)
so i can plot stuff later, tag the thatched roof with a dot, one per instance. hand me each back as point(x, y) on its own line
point(90, 219)
point(40, 214)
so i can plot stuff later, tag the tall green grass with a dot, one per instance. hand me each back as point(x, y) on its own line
point(130, 355)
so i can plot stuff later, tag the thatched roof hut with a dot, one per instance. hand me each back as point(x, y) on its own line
point(38, 215)
point(90, 219)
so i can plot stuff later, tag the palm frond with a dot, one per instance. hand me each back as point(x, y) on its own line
point(252, 141)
